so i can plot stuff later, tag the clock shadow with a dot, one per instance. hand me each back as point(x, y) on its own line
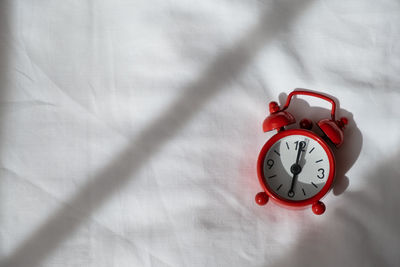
point(348, 153)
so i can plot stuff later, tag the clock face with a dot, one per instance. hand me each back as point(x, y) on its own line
point(296, 167)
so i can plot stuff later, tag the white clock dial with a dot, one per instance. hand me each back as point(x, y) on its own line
point(313, 162)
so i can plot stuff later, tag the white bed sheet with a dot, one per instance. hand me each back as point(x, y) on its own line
point(129, 131)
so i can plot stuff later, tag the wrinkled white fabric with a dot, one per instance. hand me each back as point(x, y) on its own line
point(130, 130)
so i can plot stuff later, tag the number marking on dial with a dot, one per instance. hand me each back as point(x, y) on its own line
point(297, 144)
point(322, 173)
point(270, 163)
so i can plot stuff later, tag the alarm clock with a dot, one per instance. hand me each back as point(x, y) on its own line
point(296, 167)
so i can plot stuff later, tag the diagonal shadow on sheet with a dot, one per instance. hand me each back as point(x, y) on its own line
point(106, 181)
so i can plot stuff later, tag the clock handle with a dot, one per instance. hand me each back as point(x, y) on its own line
point(309, 93)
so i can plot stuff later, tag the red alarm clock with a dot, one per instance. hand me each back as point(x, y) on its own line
point(296, 167)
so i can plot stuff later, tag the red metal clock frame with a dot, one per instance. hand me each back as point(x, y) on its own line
point(288, 202)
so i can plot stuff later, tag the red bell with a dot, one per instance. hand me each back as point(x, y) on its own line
point(277, 119)
point(333, 129)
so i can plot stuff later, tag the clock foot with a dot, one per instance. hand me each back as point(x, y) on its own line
point(318, 208)
point(261, 198)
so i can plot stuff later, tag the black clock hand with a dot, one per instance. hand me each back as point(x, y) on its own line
point(302, 144)
point(296, 168)
point(291, 192)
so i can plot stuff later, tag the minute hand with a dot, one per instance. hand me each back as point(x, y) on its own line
point(296, 169)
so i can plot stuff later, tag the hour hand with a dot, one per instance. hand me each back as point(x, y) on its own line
point(302, 145)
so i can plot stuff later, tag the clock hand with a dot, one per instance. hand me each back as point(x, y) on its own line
point(291, 192)
point(302, 144)
point(296, 168)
